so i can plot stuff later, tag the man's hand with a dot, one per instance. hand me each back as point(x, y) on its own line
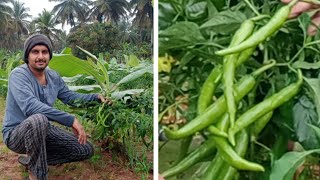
point(104, 100)
point(79, 131)
point(301, 7)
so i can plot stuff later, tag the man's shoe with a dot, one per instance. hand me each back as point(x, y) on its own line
point(24, 160)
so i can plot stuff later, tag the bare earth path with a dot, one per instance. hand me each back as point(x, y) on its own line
point(102, 168)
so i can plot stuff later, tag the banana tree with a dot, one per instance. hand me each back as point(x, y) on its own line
point(70, 66)
point(10, 62)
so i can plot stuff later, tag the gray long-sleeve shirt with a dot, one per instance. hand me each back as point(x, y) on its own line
point(27, 97)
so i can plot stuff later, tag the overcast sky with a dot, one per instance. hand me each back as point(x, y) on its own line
point(36, 7)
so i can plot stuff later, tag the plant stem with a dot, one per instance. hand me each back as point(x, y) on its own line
point(262, 145)
point(252, 7)
point(300, 50)
point(210, 44)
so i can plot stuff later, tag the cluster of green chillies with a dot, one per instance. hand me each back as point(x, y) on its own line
point(229, 137)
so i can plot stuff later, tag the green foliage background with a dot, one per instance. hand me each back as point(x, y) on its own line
point(192, 31)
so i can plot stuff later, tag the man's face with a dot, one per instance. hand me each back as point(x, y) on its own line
point(39, 57)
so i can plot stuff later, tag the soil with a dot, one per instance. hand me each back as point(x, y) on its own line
point(102, 167)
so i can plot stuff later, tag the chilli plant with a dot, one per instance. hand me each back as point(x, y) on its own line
point(126, 125)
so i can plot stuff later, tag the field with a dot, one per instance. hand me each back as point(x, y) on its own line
point(101, 168)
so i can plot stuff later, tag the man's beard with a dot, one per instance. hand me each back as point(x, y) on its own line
point(40, 69)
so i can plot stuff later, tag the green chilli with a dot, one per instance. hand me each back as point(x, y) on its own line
point(204, 150)
point(265, 107)
point(263, 33)
point(216, 110)
point(229, 66)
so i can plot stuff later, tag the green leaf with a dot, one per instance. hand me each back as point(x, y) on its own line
point(136, 74)
point(304, 114)
point(72, 79)
point(166, 14)
point(66, 50)
point(218, 4)
point(121, 94)
point(196, 10)
point(314, 87)
point(3, 73)
point(69, 66)
point(316, 130)
point(304, 21)
point(85, 88)
point(224, 22)
point(133, 61)
point(181, 34)
point(285, 167)
point(88, 53)
point(3, 82)
point(188, 56)
point(212, 10)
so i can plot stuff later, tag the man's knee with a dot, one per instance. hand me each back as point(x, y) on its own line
point(89, 150)
point(38, 121)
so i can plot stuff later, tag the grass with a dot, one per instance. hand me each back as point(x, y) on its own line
point(2, 109)
point(4, 150)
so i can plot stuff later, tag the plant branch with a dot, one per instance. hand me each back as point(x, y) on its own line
point(252, 7)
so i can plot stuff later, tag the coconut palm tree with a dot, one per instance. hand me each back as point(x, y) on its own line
point(109, 10)
point(45, 24)
point(69, 11)
point(127, 34)
point(4, 8)
point(143, 18)
point(18, 14)
point(143, 11)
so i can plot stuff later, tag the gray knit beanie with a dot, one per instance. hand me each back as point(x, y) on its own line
point(36, 39)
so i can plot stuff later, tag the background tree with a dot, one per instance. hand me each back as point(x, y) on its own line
point(46, 24)
point(18, 14)
point(143, 17)
point(109, 10)
point(4, 8)
point(111, 14)
point(95, 38)
point(69, 11)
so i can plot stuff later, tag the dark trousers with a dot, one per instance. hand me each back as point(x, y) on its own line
point(46, 144)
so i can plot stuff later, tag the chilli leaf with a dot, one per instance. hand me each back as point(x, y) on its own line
point(316, 130)
point(181, 34)
point(225, 22)
point(196, 10)
point(166, 14)
point(304, 114)
point(285, 167)
point(314, 86)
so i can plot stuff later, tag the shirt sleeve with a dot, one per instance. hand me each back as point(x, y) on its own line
point(24, 94)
